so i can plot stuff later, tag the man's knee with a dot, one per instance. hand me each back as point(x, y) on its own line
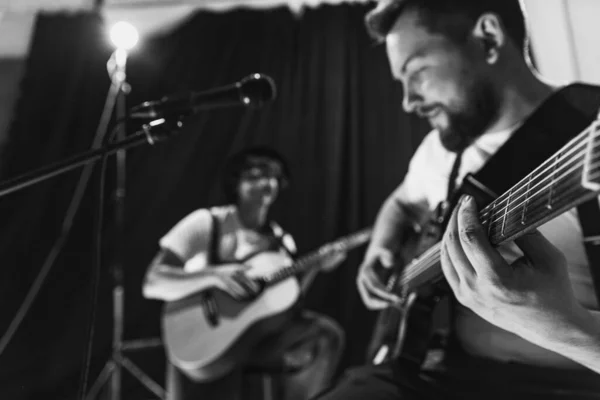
point(366, 382)
point(331, 333)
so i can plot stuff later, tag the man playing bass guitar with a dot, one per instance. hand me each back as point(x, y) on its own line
point(530, 332)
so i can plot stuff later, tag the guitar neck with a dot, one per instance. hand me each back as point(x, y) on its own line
point(313, 259)
point(570, 177)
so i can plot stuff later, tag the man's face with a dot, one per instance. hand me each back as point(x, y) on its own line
point(445, 82)
point(259, 182)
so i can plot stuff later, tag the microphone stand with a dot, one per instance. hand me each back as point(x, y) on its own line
point(151, 133)
point(117, 361)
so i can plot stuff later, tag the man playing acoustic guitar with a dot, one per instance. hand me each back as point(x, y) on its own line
point(526, 331)
point(206, 250)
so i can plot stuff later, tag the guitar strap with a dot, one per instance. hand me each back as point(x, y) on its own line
point(213, 247)
point(563, 116)
point(207, 300)
point(452, 194)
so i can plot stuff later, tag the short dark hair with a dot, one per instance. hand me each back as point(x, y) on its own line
point(240, 162)
point(436, 16)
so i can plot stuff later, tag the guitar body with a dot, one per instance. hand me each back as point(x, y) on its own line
point(207, 351)
point(391, 339)
point(405, 332)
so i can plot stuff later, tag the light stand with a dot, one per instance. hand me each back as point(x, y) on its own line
point(151, 133)
point(118, 361)
point(166, 119)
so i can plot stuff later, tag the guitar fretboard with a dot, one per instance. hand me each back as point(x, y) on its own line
point(570, 177)
point(314, 258)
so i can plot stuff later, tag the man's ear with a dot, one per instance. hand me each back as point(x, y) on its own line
point(489, 32)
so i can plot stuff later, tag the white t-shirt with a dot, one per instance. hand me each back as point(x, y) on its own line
point(191, 237)
point(425, 185)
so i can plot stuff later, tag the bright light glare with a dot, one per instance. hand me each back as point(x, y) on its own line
point(124, 35)
point(157, 122)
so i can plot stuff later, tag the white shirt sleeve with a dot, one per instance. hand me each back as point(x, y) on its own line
point(190, 236)
point(289, 243)
point(425, 183)
point(286, 238)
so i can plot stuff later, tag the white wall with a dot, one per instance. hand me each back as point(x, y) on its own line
point(566, 38)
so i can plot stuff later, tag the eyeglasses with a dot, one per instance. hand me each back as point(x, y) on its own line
point(261, 172)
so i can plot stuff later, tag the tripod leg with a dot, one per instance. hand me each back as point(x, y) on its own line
point(101, 380)
point(144, 379)
point(115, 383)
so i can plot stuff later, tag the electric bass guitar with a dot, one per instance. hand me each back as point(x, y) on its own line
point(567, 179)
point(209, 333)
point(418, 237)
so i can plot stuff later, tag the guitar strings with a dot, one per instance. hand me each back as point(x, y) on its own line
point(518, 207)
point(352, 240)
point(515, 192)
point(431, 257)
point(523, 213)
point(422, 265)
point(556, 181)
point(572, 146)
point(531, 177)
point(541, 210)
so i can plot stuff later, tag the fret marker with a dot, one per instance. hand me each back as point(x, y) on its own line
point(491, 221)
point(505, 213)
point(551, 191)
point(589, 180)
point(523, 214)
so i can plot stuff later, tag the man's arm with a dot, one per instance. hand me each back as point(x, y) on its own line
point(532, 297)
point(167, 279)
point(579, 341)
point(392, 221)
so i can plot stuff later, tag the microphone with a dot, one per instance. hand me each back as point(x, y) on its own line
point(252, 91)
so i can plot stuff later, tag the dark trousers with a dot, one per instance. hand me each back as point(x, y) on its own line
point(464, 378)
point(312, 341)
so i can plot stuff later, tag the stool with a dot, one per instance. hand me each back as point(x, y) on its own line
point(291, 362)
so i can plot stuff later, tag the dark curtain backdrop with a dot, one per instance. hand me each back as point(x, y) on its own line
point(337, 119)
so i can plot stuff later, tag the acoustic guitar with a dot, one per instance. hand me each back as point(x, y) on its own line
point(209, 333)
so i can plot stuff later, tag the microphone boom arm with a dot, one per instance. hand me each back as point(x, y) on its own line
point(148, 134)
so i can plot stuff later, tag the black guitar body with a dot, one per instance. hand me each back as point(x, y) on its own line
point(407, 332)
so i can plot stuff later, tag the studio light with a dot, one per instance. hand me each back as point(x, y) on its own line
point(124, 35)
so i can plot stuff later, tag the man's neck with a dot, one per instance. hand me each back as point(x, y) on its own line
point(521, 96)
point(253, 216)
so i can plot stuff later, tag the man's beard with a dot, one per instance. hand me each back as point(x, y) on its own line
point(480, 108)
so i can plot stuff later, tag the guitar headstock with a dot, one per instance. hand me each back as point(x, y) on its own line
point(591, 167)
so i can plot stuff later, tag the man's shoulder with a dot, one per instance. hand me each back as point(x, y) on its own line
point(202, 218)
point(222, 212)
